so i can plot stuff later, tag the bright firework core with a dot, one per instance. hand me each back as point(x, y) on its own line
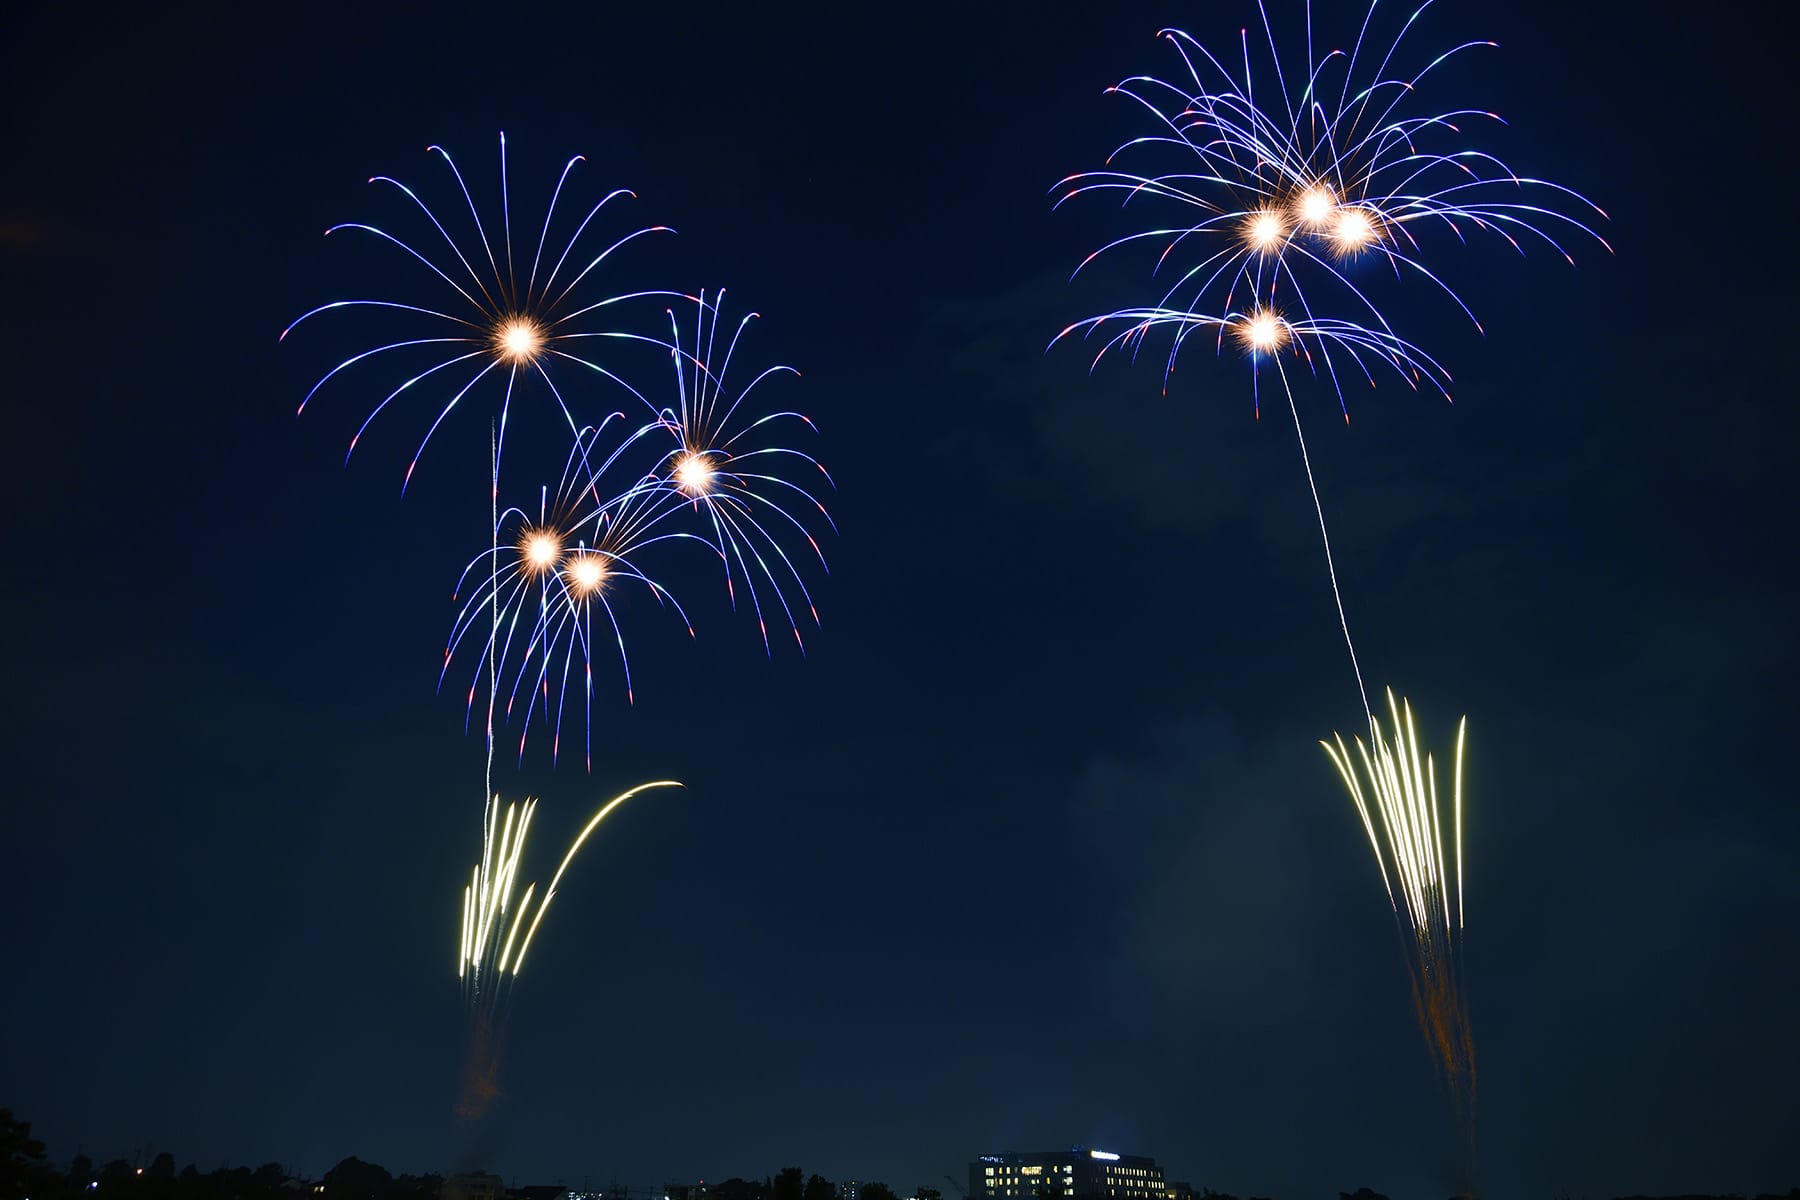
point(1315, 204)
point(540, 549)
point(1263, 330)
point(694, 473)
point(1263, 230)
point(586, 573)
point(1354, 230)
point(518, 340)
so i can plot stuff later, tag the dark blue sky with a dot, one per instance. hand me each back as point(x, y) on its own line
point(1036, 846)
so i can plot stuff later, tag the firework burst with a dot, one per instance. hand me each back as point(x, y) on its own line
point(492, 320)
point(1281, 202)
point(736, 476)
point(533, 597)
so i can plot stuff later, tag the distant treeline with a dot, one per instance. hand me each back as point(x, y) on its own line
point(27, 1174)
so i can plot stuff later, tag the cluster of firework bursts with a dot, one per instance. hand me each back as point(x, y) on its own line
point(672, 459)
point(1283, 190)
point(1281, 197)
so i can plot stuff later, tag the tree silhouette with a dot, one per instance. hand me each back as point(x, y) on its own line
point(22, 1166)
point(354, 1179)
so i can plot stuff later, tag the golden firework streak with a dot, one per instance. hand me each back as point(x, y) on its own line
point(1406, 801)
point(1410, 854)
point(487, 900)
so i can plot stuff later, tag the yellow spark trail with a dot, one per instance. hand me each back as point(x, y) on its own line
point(491, 924)
point(1410, 853)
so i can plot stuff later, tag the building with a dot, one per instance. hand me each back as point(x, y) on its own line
point(1078, 1174)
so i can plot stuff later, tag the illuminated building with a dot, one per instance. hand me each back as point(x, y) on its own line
point(1078, 1174)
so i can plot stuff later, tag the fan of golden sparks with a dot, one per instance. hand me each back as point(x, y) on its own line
point(491, 923)
point(1409, 850)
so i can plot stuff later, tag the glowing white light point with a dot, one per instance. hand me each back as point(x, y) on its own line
point(1316, 204)
point(1263, 331)
point(541, 549)
point(519, 340)
point(694, 473)
point(1263, 230)
point(1354, 230)
point(587, 573)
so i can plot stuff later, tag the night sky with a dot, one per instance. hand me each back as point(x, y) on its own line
point(1035, 846)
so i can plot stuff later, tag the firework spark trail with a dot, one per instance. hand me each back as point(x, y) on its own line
point(492, 924)
point(1418, 877)
point(490, 932)
point(1324, 537)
